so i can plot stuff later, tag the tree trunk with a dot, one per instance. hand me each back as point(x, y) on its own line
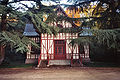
point(2, 53)
point(3, 22)
point(3, 28)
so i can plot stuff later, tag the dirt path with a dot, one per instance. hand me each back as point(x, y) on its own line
point(66, 73)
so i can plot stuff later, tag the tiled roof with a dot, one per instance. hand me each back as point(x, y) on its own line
point(30, 30)
point(86, 33)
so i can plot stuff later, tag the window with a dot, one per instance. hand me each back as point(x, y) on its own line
point(35, 50)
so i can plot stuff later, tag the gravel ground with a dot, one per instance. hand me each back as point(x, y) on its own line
point(58, 73)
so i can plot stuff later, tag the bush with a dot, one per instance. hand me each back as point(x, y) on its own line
point(103, 54)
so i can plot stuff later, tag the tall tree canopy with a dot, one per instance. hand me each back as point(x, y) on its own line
point(13, 21)
point(106, 17)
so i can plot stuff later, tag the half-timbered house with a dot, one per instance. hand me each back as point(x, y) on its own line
point(56, 49)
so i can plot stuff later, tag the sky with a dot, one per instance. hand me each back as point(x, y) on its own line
point(31, 3)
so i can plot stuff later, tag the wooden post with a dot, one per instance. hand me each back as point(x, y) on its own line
point(72, 56)
point(47, 51)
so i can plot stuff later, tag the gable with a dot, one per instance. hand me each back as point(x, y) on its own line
point(60, 11)
point(62, 24)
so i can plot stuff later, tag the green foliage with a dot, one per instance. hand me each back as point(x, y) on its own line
point(18, 24)
point(2, 9)
point(40, 25)
point(5, 9)
point(37, 16)
point(106, 14)
point(106, 17)
point(108, 38)
point(15, 23)
point(80, 41)
point(16, 41)
point(12, 36)
point(15, 19)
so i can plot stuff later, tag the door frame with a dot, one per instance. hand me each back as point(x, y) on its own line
point(65, 50)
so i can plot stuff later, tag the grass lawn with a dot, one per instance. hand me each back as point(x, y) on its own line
point(101, 64)
point(90, 64)
point(16, 65)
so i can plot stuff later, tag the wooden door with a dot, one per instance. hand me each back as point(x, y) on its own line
point(59, 49)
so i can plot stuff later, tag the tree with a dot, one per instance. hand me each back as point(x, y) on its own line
point(106, 17)
point(12, 25)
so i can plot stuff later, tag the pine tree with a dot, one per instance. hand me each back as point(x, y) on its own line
point(12, 26)
point(104, 23)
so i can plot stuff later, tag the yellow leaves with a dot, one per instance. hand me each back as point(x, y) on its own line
point(12, 20)
point(73, 13)
point(44, 17)
point(78, 23)
point(80, 12)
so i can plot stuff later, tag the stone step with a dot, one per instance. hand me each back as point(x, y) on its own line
point(28, 61)
point(59, 62)
point(76, 63)
point(86, 60)
point(42, 63)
